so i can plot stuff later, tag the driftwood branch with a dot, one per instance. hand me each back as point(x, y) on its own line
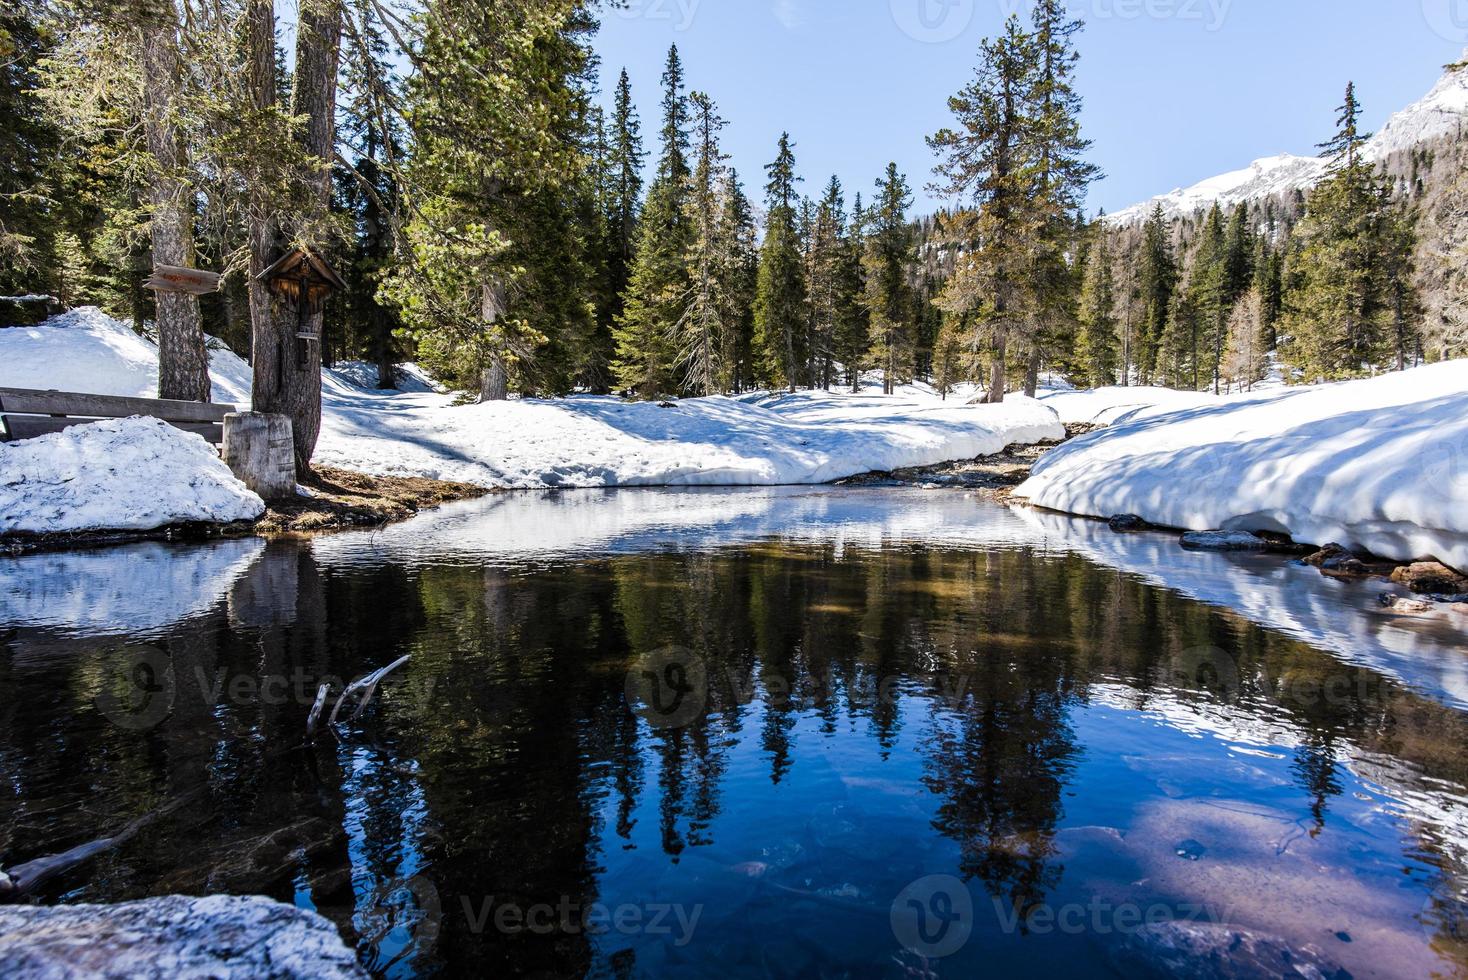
point(367, 686)
point(314, 718)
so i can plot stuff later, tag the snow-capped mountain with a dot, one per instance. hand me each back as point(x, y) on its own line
point(1440, 112)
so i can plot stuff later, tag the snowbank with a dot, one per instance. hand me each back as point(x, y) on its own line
point(1107, 406)
point(1380, 464)
point(809, 437)
point(86, 350)
point(120, 474)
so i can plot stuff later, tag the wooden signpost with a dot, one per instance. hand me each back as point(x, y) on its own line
point(179, 279)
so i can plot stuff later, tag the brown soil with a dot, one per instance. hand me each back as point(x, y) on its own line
point(994, 477)
point(343, 499)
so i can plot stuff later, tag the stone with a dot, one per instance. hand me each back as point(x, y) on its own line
point(260, 451)
point(1405, 606)
point(1337, 561)
point(1223, 541)
point(1207, 951)
point(1128, 524)
point(219, 936)
point(1430, 577)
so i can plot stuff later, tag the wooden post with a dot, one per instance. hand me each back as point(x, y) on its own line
point(259, 449)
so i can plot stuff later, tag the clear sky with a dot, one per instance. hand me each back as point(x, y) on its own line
point(1175, 90)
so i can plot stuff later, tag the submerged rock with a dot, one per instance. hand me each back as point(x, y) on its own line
point(1223, 541)
point(1431, 577)
point(1337, 561)
point(1204, 951)
point(220, 936)
point(1129, 524)
point(1401, 604)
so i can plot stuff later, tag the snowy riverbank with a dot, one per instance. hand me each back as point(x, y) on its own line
point(1379, 465)
point(807, 438)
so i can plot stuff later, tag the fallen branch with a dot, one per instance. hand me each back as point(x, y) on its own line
point(368, 686)
point(315, 716)
point(23, 879)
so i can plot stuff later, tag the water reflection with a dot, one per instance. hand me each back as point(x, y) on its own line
point(898, 686)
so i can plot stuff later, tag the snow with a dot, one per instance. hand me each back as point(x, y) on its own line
point(1379, 465)
point(1223, 541)
point(1106, 406)
point(1441, 112)
point(584, 441)
point(804, 438)
point(118, 474)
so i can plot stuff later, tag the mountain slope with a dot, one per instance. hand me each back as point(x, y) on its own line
point(1441, 112)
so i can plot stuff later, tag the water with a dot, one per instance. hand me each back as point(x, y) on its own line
point(760, 733)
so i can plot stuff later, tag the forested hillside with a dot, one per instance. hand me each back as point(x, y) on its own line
point(491, 222)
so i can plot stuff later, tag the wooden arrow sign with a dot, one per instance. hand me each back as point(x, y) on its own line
point(178, 279)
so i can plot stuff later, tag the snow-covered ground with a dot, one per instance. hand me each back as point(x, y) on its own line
point(1379, 464)
point(810, 437)
point(119, 474)
point(1107, 406)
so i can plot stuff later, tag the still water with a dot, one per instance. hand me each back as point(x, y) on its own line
point(769, 733)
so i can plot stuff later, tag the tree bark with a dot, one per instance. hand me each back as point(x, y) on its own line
point(997, 372)
point(1032, 373)
point(494, 377)
point(288, 367)
point(183, 360)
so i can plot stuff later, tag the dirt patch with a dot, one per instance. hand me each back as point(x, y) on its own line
point(994, 476)
point(343, 499)
point(340, 500)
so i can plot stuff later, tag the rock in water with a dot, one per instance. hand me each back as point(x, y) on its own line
point(1204, 951)
point(221, 936)
point(1430, 577)
point(1223, 541)
point(1129, 524)
point(1405, 606)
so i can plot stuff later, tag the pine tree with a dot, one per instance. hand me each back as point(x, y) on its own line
point(1063, 175)
point(990, 160)
point(739, 274)
point(701, 328)
point(780, 300)
point(624, 177)
point(1097, 342)
point(1245, 360)
point(1335, 314)
point(1156, 282)
point(852, 339)
point(829, 281)
point(888, 297)
point(659, 280)
point(1209, 286)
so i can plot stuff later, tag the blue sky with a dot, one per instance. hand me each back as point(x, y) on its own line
point(1176, 90)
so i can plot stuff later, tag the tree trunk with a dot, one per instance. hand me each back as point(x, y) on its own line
point(183, 361)
point(1032, 373)
point(997, 372)
point(287, 367)
point(494, 378)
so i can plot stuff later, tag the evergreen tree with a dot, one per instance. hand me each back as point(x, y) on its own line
point(739, 274)
point(852, 339)
point(624, 178)
point(1335, 314)
point(1156, 280)
point(701, 329)
point(780, 300)
point(659, 283)
point(1063, 175)
point(888, 298)
point(830, 284)
point(1209, 286)
point(1097, 342)
point(990, 160)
